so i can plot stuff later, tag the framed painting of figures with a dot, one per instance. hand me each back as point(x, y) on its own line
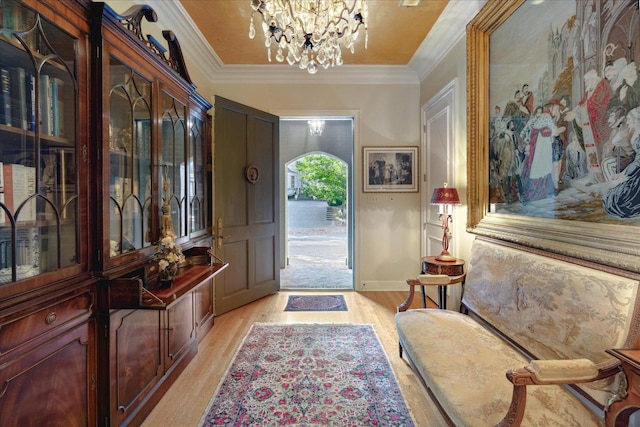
point(390, 169)
point(554, 127)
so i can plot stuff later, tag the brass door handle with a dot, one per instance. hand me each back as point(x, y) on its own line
point(219, 234)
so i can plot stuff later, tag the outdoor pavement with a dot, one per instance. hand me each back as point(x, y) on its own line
point(317, 249)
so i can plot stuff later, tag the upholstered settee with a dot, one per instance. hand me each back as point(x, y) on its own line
point(531, 324)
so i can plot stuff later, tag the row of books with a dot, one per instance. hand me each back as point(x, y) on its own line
point(18, 18)
point(18, 101)
point(27, 253)
point(24, 253)
point(17, 184)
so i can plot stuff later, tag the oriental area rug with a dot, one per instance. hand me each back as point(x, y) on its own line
point(316, 303)
point(308, 375)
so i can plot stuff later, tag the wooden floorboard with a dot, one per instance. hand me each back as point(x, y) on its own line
point(187, 399)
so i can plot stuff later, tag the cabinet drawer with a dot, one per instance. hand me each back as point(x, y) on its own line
point(19, 329)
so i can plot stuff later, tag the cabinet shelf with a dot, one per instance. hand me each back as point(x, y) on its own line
point(53, 141)
point(16, 55)
point(39, 223)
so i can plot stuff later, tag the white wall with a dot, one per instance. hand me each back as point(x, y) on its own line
point(453, 66)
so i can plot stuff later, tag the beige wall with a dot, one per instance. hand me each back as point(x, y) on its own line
point(453, 66)
point(387, 226)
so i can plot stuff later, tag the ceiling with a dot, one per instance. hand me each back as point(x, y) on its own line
point(395, 33)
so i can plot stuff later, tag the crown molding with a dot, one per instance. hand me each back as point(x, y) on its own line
point(345, 74)
point(448, 30)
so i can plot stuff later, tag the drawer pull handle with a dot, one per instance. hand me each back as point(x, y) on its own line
point(51, 317)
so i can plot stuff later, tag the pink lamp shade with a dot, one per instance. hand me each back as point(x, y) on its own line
point(445, 196)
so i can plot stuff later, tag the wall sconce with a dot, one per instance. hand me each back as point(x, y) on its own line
point(445, 198)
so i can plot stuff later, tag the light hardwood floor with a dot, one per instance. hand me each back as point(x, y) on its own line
point(187, 399)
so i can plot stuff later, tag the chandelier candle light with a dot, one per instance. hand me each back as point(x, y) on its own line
point(445, 198)
point(315, 127)
point(310, 33)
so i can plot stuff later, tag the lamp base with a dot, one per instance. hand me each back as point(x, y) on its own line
point(445, 257)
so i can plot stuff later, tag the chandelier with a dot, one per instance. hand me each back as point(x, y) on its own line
point(310, 33)
point(315, 127)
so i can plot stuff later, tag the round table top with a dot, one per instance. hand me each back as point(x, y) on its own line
point(434, 260)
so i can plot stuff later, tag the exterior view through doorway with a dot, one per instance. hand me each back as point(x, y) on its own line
point(318, 220)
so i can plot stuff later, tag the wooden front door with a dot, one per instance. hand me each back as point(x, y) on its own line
point(246, 212)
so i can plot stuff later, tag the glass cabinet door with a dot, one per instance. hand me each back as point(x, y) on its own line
point(130, 183)
point(38, 148)
point(173, 162)
point(197, 176)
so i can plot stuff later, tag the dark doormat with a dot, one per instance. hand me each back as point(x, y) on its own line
point(316, 303)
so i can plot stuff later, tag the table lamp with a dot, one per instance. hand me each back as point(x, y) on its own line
point(445, 198)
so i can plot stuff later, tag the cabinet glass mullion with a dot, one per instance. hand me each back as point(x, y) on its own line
point(39, 173)
point(196, 176)
point(173, 162)
point(130, 184)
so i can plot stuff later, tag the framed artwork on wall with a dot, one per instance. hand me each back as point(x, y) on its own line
point(554, 127)
point(390, 169)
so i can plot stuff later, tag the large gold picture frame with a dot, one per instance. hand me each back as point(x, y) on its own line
point(613, 242)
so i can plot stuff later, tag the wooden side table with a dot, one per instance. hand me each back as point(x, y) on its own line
point(619, 413)
point(454, 269)
point(435, 273)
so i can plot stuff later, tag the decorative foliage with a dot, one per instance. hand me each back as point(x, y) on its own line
point(169, 256)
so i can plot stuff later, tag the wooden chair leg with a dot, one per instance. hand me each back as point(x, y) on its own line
point(515, 414)
point(407, 302)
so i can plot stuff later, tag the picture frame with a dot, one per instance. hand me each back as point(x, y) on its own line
point(512, 203)
point(390, 169)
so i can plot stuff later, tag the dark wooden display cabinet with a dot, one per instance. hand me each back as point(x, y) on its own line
point(48, 371)
point(152, 157)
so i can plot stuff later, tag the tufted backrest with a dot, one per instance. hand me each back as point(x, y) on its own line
point(553, 309)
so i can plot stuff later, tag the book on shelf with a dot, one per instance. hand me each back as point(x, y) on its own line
point(28, 213)
point(18, 97)
point(5, 97)
point(19, 185)
point(17, 18)
point(57, 106)
point(2, 214)
point(31, 101)
point(9, 14)
point(45, 105)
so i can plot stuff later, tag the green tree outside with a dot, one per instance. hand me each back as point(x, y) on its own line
point(323, 178)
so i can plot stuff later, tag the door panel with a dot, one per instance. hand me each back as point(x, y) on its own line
point(246, 205)
point(438, 117)
point(235, 278)
point(265, 250)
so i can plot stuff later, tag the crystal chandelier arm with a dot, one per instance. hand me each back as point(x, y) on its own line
point(273, 29)
point(312, 31)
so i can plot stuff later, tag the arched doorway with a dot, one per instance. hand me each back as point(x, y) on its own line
point(318, 240)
